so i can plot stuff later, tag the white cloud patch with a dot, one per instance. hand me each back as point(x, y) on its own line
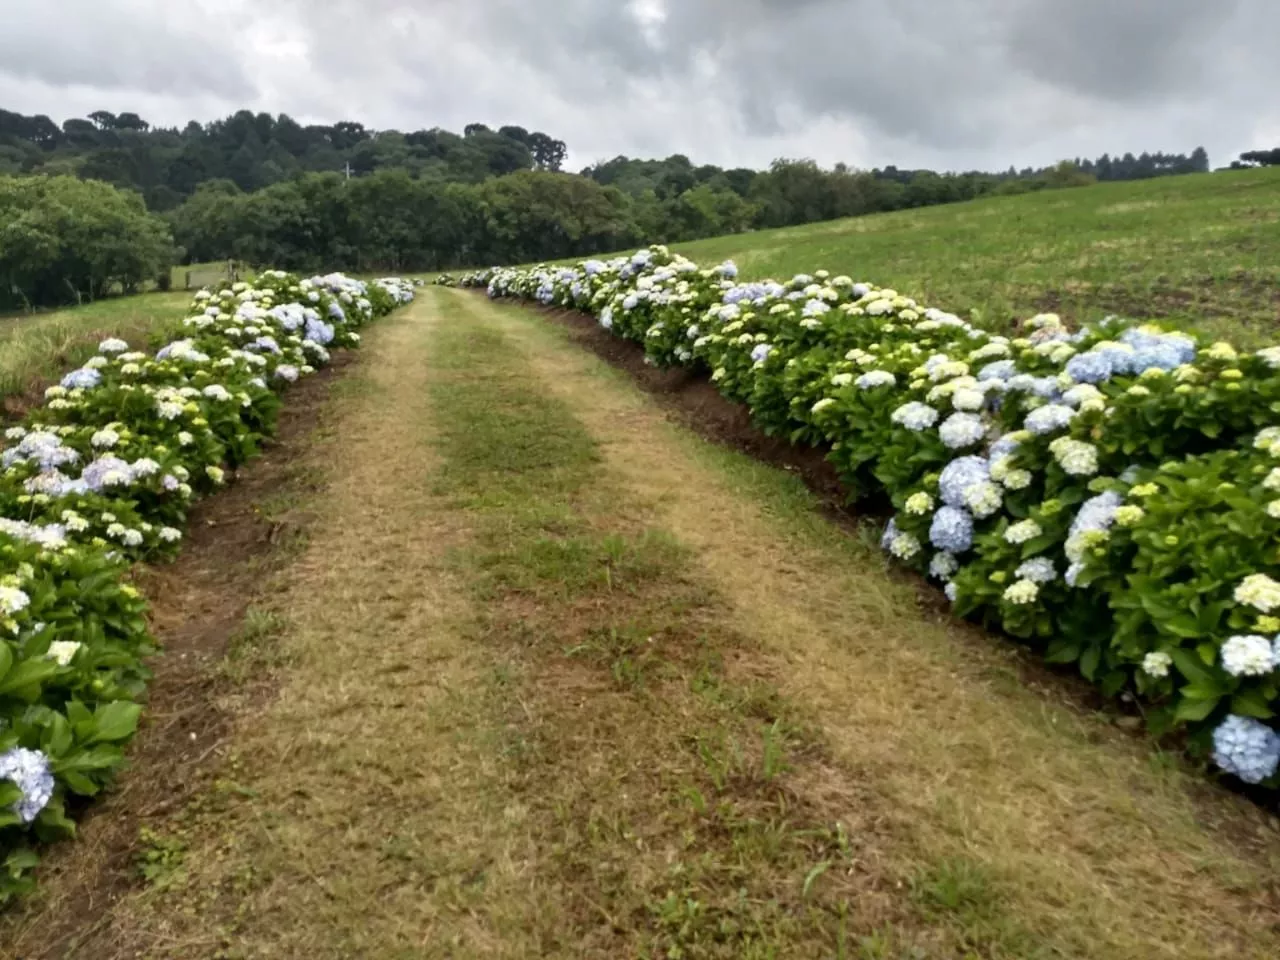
point(983, 84)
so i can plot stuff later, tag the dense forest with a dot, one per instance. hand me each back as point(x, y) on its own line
point(270, 190)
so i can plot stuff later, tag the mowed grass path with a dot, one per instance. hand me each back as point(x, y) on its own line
point(1200, 251)
point(558, 679)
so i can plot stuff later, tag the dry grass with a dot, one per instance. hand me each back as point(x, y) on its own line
point(1099, 846)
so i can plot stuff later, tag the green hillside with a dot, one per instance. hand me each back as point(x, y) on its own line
point(1202, 251)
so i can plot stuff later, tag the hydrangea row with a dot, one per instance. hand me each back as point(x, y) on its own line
point(104, 474)
point(1109, 494)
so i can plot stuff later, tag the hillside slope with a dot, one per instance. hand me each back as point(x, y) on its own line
point(1200, 251)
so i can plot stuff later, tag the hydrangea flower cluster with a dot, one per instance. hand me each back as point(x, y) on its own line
point(1108, 493)
point(104, 474)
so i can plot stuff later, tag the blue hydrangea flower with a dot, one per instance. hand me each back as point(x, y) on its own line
point(86, 378)
point(952, 530)
point(106, 472)
point(318, 332)
point(1000, 370)
point(1037, 570)
point(1049, 418)
point(30, 770)
point(1247, 748)
point(1163, 350)
point(875, 378)
point(944, 565)
point(960, 474)
point(1003, 447)
point(1089, 367)
point(761, 352)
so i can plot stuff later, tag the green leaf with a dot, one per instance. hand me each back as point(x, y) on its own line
point(1194, 710)
point(116, 721)
point(1089, 661)
point(24, 680)
point(6, 657)
point(1191, 667)
point(1251, 703)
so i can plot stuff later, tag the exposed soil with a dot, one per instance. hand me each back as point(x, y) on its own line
point(197, 605)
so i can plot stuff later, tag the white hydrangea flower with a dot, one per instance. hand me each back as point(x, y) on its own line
point(12, 600)
point(962, 430)
point(63, 651)
point(1076, 457)
point(1022, 592)
point(1022, 531)
point(904, 546)
point(915, 416)
point(1157, 664)
point(919, 503)
point(983, 499)
point(1247, 655)
point(1258, 591)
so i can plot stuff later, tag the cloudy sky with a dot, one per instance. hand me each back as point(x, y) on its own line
point(948, 84)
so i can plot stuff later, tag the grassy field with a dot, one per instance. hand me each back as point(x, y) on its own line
point(1201, 251)
point(39, 347)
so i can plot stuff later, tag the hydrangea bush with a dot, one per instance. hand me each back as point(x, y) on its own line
point(103, 475)
point(1109, 495)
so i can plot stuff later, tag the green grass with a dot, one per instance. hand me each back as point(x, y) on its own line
point(1200, 251)
point(40, 347)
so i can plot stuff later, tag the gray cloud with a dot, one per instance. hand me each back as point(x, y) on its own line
point(144, 46)
point(974, 83)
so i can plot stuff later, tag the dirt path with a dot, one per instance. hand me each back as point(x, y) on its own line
point(557, 679)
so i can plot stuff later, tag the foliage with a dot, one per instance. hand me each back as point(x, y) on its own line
point(63, 240)
point(471, 198)
point(1110, 496)
point(104, 474)
point(253, 151)
point(1259, 158)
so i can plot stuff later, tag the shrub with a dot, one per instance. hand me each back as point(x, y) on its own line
point(1110, 495)
point(103, 475)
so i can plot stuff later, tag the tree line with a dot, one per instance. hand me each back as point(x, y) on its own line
point(253, 151)
point(269, 190)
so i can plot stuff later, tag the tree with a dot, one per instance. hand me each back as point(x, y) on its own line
point(66, 239)
point(1261, 158)
point(548, 153)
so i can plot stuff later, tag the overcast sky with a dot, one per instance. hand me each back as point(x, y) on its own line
point(947, 84)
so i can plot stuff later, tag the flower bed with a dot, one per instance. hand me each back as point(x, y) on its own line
point(103, 475)
point(1109, 495)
